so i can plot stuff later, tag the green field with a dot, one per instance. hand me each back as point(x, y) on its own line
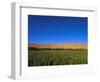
point(57, 57)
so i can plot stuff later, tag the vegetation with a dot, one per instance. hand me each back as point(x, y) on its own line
point(46, 57)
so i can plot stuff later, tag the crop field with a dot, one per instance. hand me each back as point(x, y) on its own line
point(48, 57)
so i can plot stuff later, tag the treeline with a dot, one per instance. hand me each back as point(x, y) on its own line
point(35, 48)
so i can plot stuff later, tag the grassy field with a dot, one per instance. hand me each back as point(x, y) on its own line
point(57, 57)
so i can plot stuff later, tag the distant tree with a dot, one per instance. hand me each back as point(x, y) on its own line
point(33, 48)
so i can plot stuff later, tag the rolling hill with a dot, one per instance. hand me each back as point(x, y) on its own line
point(58, 46)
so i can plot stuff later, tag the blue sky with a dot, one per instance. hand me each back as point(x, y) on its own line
point(57, 29)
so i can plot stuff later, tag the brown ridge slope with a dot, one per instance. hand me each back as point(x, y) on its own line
point(60, 46)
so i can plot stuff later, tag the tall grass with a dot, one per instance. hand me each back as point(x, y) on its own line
point(57, 57)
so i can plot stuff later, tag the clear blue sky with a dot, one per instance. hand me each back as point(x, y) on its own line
point(57, 29)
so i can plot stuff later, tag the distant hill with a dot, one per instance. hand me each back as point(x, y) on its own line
point(58, 46)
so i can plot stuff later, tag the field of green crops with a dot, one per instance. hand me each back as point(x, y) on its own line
point(57, 57)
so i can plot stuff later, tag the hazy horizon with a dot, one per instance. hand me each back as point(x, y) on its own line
point(58, 43)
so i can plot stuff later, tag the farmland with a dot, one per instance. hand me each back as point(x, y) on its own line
point(48, 57)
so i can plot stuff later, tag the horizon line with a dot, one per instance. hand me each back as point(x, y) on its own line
point(59, 43)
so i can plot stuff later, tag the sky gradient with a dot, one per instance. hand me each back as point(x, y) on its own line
point(57, 29)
